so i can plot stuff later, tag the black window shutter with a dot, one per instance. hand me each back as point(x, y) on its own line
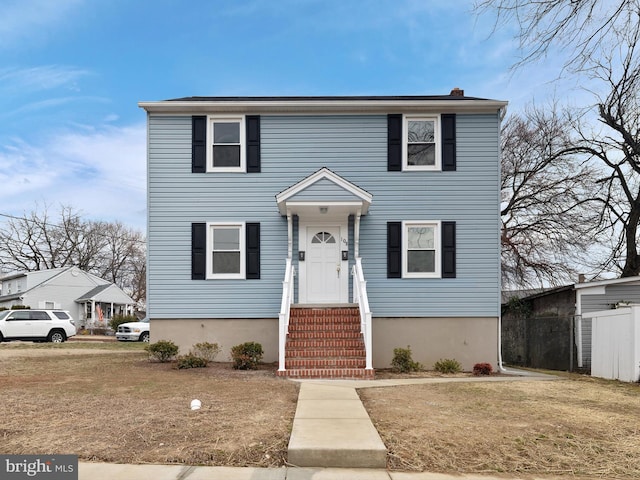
point(394, 249)
point(394, 142)
point(448, 142)
point(253, 250)
point(448, 249)
point(198, 144)
point(253, 143)
point(198, 251)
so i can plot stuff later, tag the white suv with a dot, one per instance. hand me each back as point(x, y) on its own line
point(50, 325)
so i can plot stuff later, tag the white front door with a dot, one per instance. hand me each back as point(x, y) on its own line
point(323, 264)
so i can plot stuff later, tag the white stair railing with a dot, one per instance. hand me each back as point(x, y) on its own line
point(360, 296)
point(285, 309)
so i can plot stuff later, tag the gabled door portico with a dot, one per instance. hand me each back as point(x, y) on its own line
point(323, 203)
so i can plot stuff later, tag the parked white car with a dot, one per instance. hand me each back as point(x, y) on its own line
point(134, 331)
point(38, 325)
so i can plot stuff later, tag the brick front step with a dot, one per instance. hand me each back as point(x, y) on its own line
point(325, 343)
point(316, 343)
point(327, 334)
point(318, 312)
point(322, 352)
point(325, 320)
point(322, 326)
point(317, 363)
point(336, 373)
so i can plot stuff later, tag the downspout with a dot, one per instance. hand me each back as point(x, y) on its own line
point(578, 327)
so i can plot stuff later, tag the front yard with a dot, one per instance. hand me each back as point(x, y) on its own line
point(106, 402)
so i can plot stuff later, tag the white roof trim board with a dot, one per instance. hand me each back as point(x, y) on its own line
point(363, 198)
point(258, 105)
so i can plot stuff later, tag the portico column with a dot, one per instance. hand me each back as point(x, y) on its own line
point(289, 235)
point(356, 235)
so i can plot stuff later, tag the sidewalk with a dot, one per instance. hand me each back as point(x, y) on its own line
point(108, 471)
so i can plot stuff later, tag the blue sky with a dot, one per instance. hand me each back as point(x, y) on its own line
point(73, 71)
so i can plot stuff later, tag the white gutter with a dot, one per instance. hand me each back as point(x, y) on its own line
point(323, 106)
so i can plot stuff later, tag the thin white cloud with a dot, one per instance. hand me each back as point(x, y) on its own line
point(101, 174)
point(24, 22)
point(45, 77)
point(48, 104)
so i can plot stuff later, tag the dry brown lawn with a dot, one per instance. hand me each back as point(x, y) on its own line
point(116, 406)
point(109, 403)
point(576, 426)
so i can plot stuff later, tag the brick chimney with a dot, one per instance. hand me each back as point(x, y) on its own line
point(456, 92)
point(581, 278)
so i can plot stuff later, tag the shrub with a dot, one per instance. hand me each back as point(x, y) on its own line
point(207, 351)
point(20, 307)
point(118, 320)
point(246, 355)
point(403, 362)
point(447, 365)
point(482, 369)
point(191, 361)
point(162, 351)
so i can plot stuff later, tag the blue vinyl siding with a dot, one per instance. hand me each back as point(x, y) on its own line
point(292, 148)
point(324, 189)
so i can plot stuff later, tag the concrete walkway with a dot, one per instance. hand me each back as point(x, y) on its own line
point(331, 428)
point(110, 471)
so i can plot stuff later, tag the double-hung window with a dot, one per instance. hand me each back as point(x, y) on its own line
point(421, 246)
point(226, 250)
point(226, 144)
point(422, 143)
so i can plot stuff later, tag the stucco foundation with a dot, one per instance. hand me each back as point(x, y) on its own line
point(225, 332)
point(468, 340)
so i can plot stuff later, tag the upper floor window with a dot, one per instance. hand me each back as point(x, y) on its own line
point(422, 143)
point(226, 146)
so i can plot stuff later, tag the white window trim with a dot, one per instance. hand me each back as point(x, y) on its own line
point(405, 142)
point(243, 252)
point(243, 142)
point(437, 247)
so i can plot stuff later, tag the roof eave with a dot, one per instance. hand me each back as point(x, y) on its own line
point(324, 106)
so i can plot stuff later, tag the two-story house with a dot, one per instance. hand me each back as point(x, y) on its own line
point(329, 229)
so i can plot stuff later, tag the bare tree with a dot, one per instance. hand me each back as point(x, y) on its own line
point(580, 28)
point(124, 259)
point(546, 196)
point(36, 242)
point(601, 40)
point(616, 147)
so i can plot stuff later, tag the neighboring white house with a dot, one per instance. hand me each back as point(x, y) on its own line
point(91, 300)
